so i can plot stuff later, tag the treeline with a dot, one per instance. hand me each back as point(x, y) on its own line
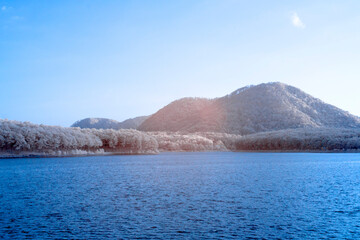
point(188, 142)
point(302, 139)
point(27, 139)
point(22, 138)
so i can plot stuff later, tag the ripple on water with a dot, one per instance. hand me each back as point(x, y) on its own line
point(182, 195)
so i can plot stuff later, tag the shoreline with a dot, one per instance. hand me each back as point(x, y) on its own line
point(42, 155)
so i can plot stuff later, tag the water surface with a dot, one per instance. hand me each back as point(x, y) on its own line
point(182, 195)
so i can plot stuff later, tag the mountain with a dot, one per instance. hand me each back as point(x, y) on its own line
point(252, 109)
point(133, 123)
point(187, 115)
point(105, 123)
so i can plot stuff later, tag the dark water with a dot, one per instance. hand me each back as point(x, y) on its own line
point(183, 196)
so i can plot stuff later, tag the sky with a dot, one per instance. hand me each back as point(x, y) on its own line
point(62, 61)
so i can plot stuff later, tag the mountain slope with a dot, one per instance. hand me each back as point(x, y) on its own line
point(105, 123)
point(133, 123)
point(186, 114)
point(264, 107)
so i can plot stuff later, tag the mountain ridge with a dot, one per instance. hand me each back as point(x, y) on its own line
point(250, 109)
point(106, 123)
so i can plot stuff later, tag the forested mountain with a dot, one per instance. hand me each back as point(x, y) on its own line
point(105, 123)
point(252, 109)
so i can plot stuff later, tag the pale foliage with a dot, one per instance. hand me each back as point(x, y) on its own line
point(169, 141)
point(27, 139)
point(19, 137)
point(302, 139)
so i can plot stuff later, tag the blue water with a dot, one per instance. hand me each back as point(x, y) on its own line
point(182, 195)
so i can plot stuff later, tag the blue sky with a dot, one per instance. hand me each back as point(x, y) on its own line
point(61, 61)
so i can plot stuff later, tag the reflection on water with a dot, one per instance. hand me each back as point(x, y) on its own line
point(182, 195)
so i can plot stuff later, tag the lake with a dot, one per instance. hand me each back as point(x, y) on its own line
point(182, 195)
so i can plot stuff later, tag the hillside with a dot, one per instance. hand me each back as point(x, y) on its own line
point(264, 107)
point(187, 115)
point(132, 123)
point(105, 123)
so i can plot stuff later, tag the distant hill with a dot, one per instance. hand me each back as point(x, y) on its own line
point(98, 123)
point(252, 109)
point(133, 123)
point(105, 123)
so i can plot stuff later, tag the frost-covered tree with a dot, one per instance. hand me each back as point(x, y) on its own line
point(21, 138)
point(302, 139)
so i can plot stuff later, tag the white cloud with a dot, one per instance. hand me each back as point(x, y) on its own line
point(3, 8)
point(296, 21)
